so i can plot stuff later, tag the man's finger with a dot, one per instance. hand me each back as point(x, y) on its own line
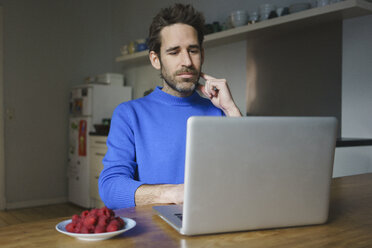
point(202, 89)
point(206, 77)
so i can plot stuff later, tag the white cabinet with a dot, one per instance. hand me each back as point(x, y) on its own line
point(98, 150)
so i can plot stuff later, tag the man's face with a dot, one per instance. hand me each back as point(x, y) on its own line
point(181, 58)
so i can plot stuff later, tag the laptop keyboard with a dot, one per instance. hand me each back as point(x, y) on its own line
point(179, 216)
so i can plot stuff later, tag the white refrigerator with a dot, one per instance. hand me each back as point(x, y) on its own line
point(89, 104)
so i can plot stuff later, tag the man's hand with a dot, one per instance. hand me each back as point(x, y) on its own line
point(218, 92)
point(161, 193)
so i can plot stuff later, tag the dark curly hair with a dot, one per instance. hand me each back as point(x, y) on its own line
point(178, 13)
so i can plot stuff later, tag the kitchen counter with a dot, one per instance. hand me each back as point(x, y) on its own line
point(98, 134)
point(349, 225)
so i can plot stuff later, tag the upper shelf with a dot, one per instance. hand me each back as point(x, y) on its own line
point(315, 16)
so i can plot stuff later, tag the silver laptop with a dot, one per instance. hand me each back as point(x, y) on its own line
point(254, 173)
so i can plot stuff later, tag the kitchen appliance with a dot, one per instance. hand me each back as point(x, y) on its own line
point(110, 78)
point(89, 104)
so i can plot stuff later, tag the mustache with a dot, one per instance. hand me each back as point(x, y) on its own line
point(187, 70)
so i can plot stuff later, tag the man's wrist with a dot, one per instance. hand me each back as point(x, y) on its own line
point(165, 196)
point(158, 194)
point(233, 112)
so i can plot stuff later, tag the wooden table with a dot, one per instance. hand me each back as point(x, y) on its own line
point(349, 225)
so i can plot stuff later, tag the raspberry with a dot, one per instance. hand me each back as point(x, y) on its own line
point(84, 213)
point(100, 229)
point(106, 211)
point(112, 228)
point(70, 227)
point(94, 211)
point(90, 220)
point(103, 220)
point(121, 222)
point(114, 222)
point(84, 229)
point(75, 218)
point(78, 227)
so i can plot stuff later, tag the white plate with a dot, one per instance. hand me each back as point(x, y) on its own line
point(61, 227)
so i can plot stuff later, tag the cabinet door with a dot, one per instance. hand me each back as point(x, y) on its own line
point(98, 141)
point(96, 155)
point(97, 151)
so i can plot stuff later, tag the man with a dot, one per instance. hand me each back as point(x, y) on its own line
point(144, 163)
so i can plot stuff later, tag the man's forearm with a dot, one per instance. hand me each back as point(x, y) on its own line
point(161, 193)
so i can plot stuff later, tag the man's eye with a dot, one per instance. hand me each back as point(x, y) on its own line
point(194, 51)
point(173, 53)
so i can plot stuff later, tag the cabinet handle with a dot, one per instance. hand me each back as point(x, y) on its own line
point(100, 154)
point(100, 142)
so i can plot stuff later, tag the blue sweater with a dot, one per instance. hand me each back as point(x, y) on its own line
point(146, 144)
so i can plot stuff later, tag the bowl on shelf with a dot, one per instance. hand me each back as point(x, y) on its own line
point(265, 10)
point(141, 45)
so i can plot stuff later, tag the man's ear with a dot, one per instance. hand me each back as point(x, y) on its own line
point(155, 60)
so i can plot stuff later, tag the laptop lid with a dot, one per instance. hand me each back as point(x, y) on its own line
point(257, 172)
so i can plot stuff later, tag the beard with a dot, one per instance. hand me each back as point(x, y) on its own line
point(181, 85)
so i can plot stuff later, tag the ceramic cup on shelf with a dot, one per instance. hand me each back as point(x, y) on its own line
point(279, 11)
point(253, 17)
point(132, 47)
point(238, 18)
point(124, 50)
point(265, 10)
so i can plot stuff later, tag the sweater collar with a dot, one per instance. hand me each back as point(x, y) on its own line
point(164, 97)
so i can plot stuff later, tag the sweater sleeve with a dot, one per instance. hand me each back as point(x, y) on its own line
point(118, 180)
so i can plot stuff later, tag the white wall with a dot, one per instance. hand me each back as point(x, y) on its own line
point(229, 61)
point(48, 47)
point(356, 96)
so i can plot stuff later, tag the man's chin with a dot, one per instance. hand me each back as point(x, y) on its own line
point(186, 87)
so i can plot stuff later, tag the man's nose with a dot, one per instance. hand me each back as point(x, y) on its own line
point(186, 59)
